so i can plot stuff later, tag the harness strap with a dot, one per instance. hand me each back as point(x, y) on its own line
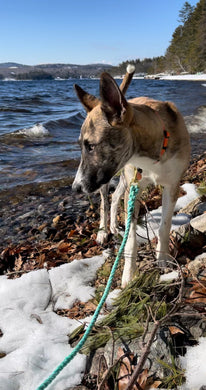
point(166, 136)
point(165, 142)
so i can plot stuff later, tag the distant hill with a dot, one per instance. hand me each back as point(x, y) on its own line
point(11, 65)
point(50, 71)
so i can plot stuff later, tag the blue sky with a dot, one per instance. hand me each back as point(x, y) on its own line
point(85, 31)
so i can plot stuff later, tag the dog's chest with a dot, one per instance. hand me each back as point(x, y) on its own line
point(155, 171)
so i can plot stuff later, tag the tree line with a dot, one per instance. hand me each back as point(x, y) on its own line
point(187, 49)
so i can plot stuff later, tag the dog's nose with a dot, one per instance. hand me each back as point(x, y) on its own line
point(77, 187)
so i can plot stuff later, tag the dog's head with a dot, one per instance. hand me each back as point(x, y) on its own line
point(105, 138)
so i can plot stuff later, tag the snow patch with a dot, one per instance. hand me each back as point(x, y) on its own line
point(110, 299)
point(35, 338)
point(174, 275)
point(194, 364)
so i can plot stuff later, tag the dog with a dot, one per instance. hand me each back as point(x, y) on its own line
point(139, 133)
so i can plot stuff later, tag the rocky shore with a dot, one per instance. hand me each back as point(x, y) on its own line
point(46, 225)
point(46, 214)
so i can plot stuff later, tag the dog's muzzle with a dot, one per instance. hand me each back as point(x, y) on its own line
point(77, 187)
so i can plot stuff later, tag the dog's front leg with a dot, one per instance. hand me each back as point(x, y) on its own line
point(169, 198)
point(130, 252)
point(116, 196)
point(102, 234)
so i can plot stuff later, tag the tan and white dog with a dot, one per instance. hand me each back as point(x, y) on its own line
point(142, 133)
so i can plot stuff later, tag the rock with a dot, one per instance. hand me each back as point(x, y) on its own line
point(188, 240)
point(26, 215)
point(197, 264)
point(40, 209)
point(189, 209)
point(48, 232)
point(198, 330)
point(200, 208)
point(56, 220)
point(199, 223)
point(159, 350)
point(66, 203)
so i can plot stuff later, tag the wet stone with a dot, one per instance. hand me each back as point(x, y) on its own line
point(34, 207)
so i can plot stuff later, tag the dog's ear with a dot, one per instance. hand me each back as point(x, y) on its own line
point(88, 101)
point(114, 103)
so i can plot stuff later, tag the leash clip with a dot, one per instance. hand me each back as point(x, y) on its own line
point(137, 176)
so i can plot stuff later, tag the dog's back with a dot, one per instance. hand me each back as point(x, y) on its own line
point(171, 120)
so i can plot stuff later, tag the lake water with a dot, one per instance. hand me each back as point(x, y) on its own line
point(40, 123)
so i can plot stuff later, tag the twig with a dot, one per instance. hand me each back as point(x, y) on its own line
point(146, 325)
point(189, 314)
point(143, 358)
point(150, 244)
point(17, 272)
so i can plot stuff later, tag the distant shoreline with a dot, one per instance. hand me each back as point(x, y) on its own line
point(180, 77)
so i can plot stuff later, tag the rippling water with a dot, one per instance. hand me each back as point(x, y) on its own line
point(40, 123)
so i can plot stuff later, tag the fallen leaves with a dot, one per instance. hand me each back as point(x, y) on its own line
point(79, 242)
point(79, 310)
point(197, 292)
point(121, 372)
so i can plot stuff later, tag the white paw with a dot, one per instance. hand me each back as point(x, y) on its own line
point(164, 260)
point(101, 237)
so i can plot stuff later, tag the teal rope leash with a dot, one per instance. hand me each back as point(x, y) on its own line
point(130, 208)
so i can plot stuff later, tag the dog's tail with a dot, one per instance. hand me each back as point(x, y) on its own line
point(127, 78)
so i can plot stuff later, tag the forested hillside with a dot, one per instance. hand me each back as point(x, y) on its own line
point(187, 49)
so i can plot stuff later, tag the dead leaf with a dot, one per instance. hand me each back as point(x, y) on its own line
point(142, 378)
point(18, 263)
point(71, 233)
point(153, 385)
point(197, 293)
point(64, 247)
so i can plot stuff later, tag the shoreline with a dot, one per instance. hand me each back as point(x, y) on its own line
point(180, 77)
point(158, 76)
point(28, 212)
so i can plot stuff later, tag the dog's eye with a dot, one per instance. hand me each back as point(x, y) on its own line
point(89, 147)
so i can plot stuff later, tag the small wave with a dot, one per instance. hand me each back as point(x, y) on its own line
point(196, 123)
point(204, 85)
point(34, 99)
point(73, 122)
point(11, 109)
point(37, 130)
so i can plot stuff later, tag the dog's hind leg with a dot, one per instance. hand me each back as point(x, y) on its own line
point(169, 198)
point(116, 196)
point(102, 234)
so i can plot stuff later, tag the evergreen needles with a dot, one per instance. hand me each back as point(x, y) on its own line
point(131, 308)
